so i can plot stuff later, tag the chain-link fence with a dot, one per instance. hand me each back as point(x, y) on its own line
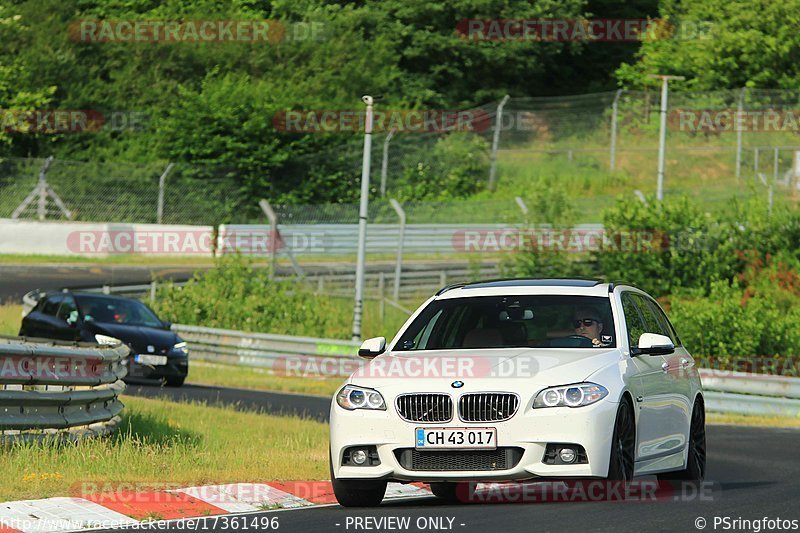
point(582, 151)
point(39, 189)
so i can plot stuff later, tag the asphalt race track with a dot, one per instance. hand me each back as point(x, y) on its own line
point(277, 403)
point(752, 475)
point(17, 280)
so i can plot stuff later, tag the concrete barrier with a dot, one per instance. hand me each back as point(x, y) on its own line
point(103, 239)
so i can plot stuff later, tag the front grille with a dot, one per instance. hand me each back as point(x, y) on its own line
point(487, 406)
point(447, 460)
point(427, 407)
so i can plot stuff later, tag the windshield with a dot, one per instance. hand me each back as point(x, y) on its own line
point(512, 321)
point(119, 311)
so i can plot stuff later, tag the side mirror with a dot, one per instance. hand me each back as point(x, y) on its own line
point(655, 344)
point(167, 324)
point(371, 348)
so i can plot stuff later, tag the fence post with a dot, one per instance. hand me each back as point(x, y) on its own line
point(498, 124)
point(775, 166)
point(273, 233)
point(398, 265)
point(161, 182)
point(755, 161)
point(739, 134)
point(381, 295)
point(614, 107)
point(385, 161)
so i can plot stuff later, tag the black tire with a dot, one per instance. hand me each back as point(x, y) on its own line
point(696, 458)
point(357, 492)
point(174, 382)
point(623, 444)
point(445, 491)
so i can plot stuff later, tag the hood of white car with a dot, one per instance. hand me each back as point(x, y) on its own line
point(520, 370)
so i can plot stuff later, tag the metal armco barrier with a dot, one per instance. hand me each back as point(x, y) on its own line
point(51, 386)
point(725, 391)
point(342, 239)
point(277, 352)
point(750, 394)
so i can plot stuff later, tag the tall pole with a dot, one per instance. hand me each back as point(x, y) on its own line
point(498, 124)
point(385, 161)
point(662, 133)
point(358, 308)
point(614, 107)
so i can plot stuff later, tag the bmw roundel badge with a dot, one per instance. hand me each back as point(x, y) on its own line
point(457, 384)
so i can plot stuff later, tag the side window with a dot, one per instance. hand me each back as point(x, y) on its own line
point(633, 319)
point(422, 338)
point(50, 306)
point(651, 323)
point(68, 311)
point(666, 326)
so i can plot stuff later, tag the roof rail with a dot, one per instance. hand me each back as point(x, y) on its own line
point(613, 284)
point(448, 287)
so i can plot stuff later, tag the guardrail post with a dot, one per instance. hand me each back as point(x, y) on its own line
point(161, 183)
point(401, 240)
point(320, 284)
point(443, 278)
point(152, 291)
point(106, 289)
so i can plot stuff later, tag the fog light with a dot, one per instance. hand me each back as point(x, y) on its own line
point(567, 455)
point(359, 457)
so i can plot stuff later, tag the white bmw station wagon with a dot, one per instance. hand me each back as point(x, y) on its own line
point(526, 379)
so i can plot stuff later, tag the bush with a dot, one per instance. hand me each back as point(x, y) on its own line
point(693, 249)
point(235, 295)
point(755, 314)
point(457, 166)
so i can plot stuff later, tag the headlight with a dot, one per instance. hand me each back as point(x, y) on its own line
point(106, 340)
point(181, 347)
point(576, 395)
point(352, 397)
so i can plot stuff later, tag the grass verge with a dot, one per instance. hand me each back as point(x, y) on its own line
point(10, 319)
point(242, 377)
point(162, 442)
point(753, 420)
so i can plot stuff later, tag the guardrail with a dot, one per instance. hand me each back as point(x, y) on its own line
point(750, 394)
point(50, 386)
point(725, 391)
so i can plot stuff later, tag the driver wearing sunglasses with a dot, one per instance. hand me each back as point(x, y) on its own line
point(587, 323)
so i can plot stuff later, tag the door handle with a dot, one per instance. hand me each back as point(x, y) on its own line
point(665, 366)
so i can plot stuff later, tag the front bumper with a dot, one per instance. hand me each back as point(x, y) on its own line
point(529, 430)
point(176, 367)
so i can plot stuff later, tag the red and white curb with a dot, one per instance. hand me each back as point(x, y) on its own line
point(118, 509)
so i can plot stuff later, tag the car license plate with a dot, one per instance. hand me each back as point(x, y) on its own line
point(155, 360)
point(456, 438)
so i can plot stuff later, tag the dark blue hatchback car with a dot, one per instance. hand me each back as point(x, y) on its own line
point(156, 352)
